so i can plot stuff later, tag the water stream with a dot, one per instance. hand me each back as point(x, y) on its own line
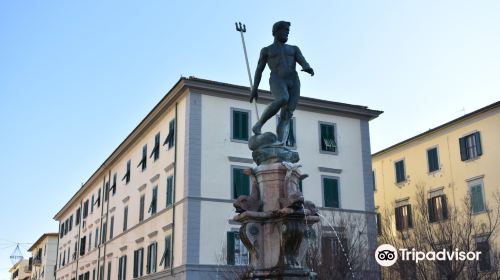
point(323, 218)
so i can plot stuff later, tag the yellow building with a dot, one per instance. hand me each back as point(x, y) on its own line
point(452, 164)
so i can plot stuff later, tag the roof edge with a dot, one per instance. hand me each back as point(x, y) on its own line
point(445, 125)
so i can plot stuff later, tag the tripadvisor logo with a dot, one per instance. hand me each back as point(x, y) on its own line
point(387, 255)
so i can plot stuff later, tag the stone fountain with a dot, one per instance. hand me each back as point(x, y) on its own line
point(275, 216)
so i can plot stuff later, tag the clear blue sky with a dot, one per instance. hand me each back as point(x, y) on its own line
point(77, 76)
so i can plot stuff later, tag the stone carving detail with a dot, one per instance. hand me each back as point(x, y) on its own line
point(274, 218)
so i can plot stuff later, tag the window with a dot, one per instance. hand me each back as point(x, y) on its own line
point(96, 237)
point(154, 196)
point(400, 171)
point(98, 201)
point(66, 226)
point(300, 186)
point(151, 259)
point(111, 227)
point(126, 177)
point(170, 140)
point(77, 216)
point(333, 246)
point(70, 222)
point(125, 218)
point(93, 274)
point(404, 218)
point(373, 180)
point(237, 253)
point(138, 262)
point(141, 208)
point(61, 231)
point(83, 242)
point(90, 241)
point(241, 182)
point(143, 161)
point(106, 191)
point(103, 233)
point(109, 271)
point(331, 192)
point(379, 224)
point(240, 124)
point(483, 246)
point(437, 208)
point(328, 142)
point(476, 196)
point(470, 146)
point(122, 268)
point(85, 208)
point(170, 190)
point(290, 140)
point(92, 204)
point(167, 252)
point(101, 272)
point(113, 186)
point(74, 252)
point(432, 160)
point(155, 153)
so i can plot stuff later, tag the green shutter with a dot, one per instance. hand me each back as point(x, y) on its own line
point(170, 190)
point(410, 218)
point(477, 199)
point(477, 139)
point(463, 148)
point(444, 204)
point(430, 208)
point(397, 213)
point(241, 183)
point(245, 183)
point(244, 125)
point(331, 192)
point(230, 248)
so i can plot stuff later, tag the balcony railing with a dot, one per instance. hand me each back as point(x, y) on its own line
point(37, 261)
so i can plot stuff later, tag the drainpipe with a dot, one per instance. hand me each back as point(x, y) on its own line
point(175, 189)
point(77, 252)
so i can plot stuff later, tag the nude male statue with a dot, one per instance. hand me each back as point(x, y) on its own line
point(284, 81)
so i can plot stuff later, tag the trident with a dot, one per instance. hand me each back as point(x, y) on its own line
point(242, 29)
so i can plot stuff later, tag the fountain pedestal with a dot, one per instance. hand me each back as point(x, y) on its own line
point(274, 218)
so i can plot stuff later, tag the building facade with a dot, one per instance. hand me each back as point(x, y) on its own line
point(21, 270)
point(44, 256)
point(453, 166)
point(160, 206)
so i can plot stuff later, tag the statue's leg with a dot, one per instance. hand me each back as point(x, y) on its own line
point(279, 91)
point(287, 111)
point(283, 124)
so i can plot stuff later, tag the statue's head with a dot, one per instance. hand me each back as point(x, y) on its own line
point(281, 30)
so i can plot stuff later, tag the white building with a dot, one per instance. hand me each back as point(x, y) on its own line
point(159, 206)
point(44, 256)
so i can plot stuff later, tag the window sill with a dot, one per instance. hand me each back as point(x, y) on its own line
point(239, 141)
point(321, 151)
point(432, 173)
point(400, 184)
point(479, 212)
point(471, 159)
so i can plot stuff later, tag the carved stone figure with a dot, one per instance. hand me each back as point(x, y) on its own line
point(284, 81)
